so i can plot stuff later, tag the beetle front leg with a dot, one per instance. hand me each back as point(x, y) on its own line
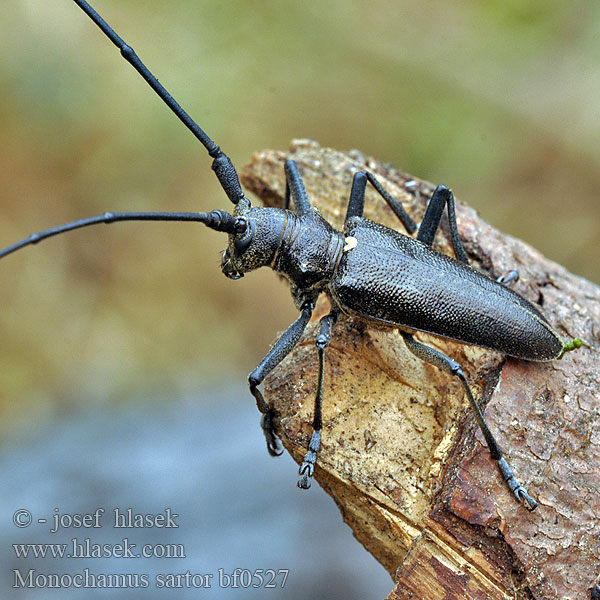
point(280, 349)
point(307, 468)
point(440, 360)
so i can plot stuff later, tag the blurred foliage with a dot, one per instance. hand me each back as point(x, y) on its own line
point(497, 99)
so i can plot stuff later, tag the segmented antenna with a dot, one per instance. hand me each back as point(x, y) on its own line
point(215, 219)
point(222, 165)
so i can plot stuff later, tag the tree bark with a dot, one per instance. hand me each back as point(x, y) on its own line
point(402, 455)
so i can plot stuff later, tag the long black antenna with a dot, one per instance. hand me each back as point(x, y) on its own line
point(222, 165)
point(216, 219)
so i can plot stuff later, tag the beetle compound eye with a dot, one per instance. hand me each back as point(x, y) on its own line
point(241, 225)
point(245, 233)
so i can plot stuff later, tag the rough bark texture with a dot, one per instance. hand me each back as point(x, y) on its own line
point(402, 455)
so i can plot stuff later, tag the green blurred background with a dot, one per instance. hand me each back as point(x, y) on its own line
point(498, 99)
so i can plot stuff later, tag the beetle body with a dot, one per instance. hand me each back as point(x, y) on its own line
point(397, 280)
point(391, 279)
point(386, 279)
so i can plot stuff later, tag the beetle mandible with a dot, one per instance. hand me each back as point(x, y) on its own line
point(366, 270)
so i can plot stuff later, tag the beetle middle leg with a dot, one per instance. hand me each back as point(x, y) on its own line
point(356, 204)
point(280, 349)
point(307, 467)
point(440, 360)
point(442, 197)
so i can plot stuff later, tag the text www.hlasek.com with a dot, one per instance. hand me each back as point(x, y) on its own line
point(87, 549)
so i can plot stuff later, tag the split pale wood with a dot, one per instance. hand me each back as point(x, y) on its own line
point(402, 456)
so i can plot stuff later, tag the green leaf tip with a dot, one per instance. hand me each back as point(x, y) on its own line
point(572, 345)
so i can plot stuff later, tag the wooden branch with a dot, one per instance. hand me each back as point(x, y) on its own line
point(402, 455)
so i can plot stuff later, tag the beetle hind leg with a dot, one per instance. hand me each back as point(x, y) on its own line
point(307, 468)
point(445, 363)
point(442, 197)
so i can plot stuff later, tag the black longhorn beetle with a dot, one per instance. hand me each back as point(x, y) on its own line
point(366, 270)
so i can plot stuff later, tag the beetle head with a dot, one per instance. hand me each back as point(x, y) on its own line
point(253, 239)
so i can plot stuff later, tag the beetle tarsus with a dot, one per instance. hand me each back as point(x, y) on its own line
point(509, 278)
point(522, 496)
point(268, 426)
point(516, 488)
point(303, 482)
point(307, 468)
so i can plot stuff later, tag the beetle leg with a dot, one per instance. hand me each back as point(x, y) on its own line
point(294, 187)
point(509, 278)
point(307, 467)
point(440, 360)
point(442, 196)
point(356, 204)
point(280, 349)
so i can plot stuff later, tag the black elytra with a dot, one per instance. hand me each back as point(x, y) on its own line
point(367, 270)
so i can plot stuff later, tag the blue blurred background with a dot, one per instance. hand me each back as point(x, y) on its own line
point(116, 340)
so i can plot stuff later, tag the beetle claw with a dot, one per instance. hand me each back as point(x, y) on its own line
point(274, 446)
point(273, 442)
point(522, 496)
point(515, 486)
point(306, 470)
point(303, 482)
